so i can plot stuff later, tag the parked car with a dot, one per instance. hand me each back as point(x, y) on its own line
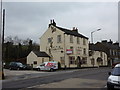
point(17, 66)
point(115, 62)
point(48, 66)
point(114, 78)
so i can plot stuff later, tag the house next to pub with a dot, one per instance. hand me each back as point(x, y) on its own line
point(111, 49)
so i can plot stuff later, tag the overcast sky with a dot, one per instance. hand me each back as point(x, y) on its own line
point(31, 19)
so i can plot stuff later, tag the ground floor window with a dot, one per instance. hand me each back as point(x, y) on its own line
point(84, 60)
point(92, 61)
point(42, 60)
point(72, 60)
point(100, 61)
point(35, 62)
point(62, 60)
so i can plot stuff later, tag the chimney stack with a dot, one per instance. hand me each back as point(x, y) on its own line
point(52, 22)
point(110, 42)
point(75, 29)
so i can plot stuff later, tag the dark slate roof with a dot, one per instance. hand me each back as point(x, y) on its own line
point(41, 54)
point(70, 32)
point(94, 47)
point(109, 45)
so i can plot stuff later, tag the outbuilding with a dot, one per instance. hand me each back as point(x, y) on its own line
point(35, 58)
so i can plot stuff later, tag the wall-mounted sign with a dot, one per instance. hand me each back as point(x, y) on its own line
point(69, 51)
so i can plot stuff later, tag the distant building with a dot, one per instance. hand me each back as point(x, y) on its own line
point(111, 49)
point(97, 57)
point(69, 47)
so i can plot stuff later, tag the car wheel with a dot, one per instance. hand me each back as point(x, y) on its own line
point(51, 70)
point(18, 68)
point(10, 68)
point(110, 87)
point(38, 69)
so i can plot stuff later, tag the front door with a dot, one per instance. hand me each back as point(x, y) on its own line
point(79, 62)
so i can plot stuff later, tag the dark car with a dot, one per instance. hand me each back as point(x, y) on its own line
point(17, 66)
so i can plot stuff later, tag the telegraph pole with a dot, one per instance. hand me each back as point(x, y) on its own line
point(3, 42)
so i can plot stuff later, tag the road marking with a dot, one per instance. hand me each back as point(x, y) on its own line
point(36, 86)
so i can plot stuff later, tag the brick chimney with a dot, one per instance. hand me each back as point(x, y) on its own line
point(110, 42)
point(52, 22)
point(75, 29)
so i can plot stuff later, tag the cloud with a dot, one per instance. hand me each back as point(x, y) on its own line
point(31, 19)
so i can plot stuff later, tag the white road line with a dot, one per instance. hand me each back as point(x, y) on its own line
point(36, 86)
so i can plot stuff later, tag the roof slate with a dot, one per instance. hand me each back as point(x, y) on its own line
point(41, 54)
point(70, 32)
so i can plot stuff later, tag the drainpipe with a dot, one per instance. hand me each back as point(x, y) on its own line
point(64, 52)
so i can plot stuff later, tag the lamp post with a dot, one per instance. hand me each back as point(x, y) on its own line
point(92, 60)
point(92, 34)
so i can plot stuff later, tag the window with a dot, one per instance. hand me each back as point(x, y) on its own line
point(62, 60)
point(72, 60)
point(113, 52)
point(84, 42)
point(110, 52)
point(78, 50)
point(101, 54)
point(59, 39)
point(42, 60)
point(35, 62)
point(78, 40)
point(72, 49)
point(71, 39)
point(84, 60)
point(49, 40)
point(116, 53)
point(84, 51)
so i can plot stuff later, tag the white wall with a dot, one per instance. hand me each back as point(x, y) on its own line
point(32, 57)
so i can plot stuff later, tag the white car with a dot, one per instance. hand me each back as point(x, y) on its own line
point(114, 78)
point(48, 66)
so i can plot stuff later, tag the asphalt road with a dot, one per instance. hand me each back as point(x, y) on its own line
point(96, 74)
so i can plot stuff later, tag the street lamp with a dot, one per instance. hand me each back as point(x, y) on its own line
point(92, 34)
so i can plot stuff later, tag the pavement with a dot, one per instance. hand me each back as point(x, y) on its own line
point(74, 83)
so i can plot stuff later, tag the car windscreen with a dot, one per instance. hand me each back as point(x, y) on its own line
point(43, 64)
point(20, 64)
point(116, 71)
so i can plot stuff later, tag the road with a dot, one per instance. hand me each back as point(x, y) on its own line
point(82, 78)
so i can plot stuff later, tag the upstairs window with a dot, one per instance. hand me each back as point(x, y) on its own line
point(71, 39)
point(84, 41)
point(78, 40)
point(49, 40)
point(59, 39)
point(72, 49)
point(84, 51)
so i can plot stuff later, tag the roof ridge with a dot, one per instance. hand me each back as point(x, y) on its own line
point(71, 32)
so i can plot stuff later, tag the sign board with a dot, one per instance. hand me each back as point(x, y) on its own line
point(69, 51)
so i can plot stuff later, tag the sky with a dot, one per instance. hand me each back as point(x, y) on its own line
point(31, 19)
